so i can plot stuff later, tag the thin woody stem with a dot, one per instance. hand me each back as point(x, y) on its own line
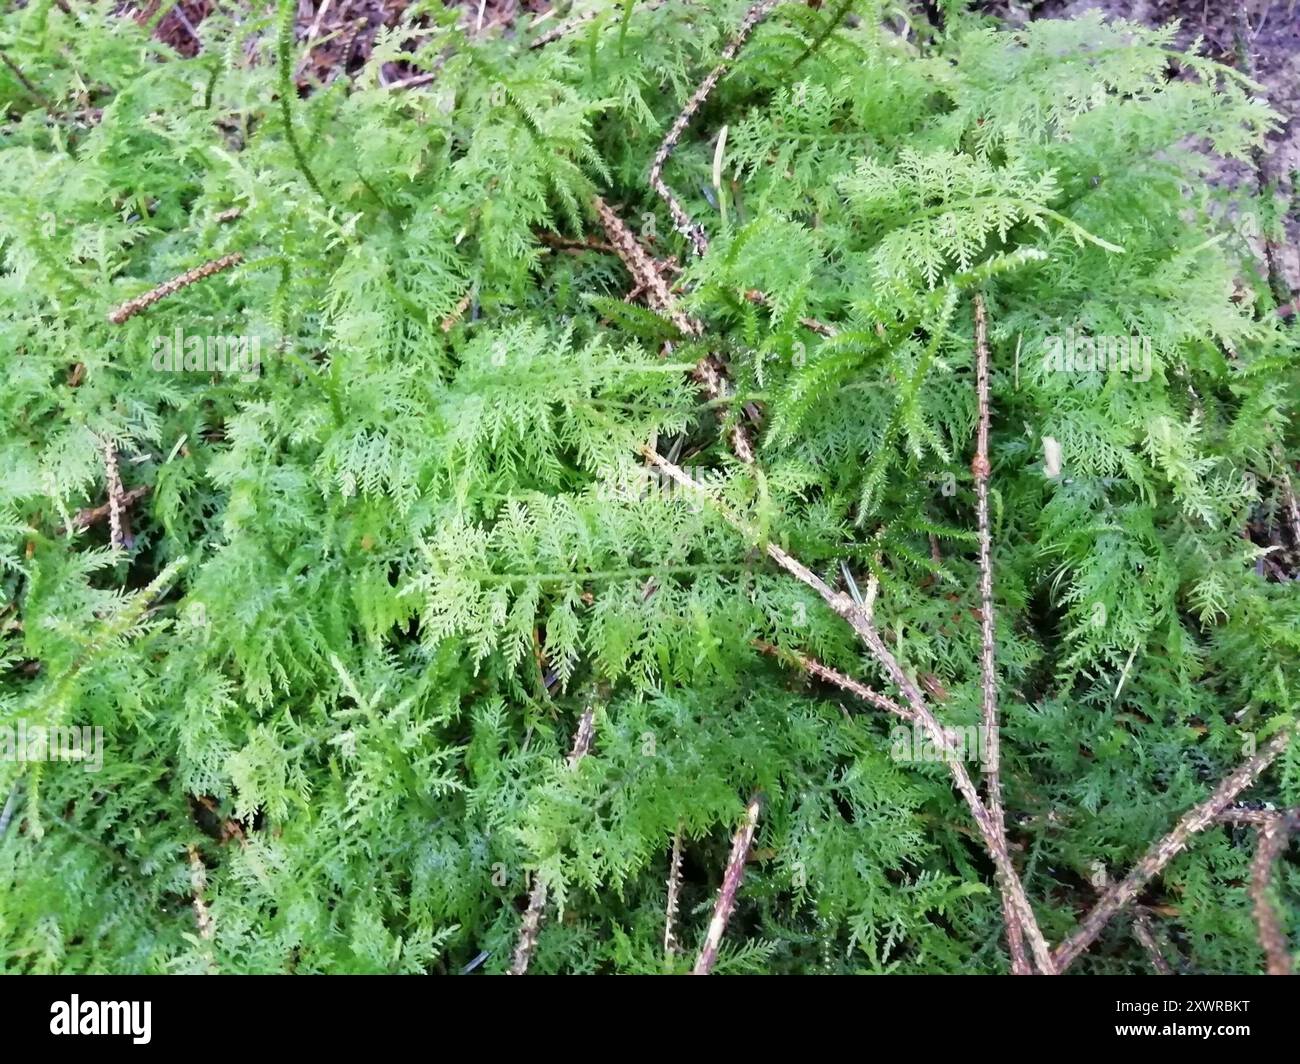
point(709, 372)
point(866, 631)
point(674, 894)
point(531, 925)
point(1166, 849)
point(117, 535)
point(981, 469)
point(132, 307)
point(83, 519)
point(740, 845)
point(198, 884)
point(1273, 839)
point(1146, 936)
point(681, 219)
point(854, 687)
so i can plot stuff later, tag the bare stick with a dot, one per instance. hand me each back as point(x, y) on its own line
point(532, 922)
point(83, 519)
point(862, 624)
point(198, 883)
point(644, 270)
point(681, 219)
point(674, 894)
point(1162, 852)
point(530, 928)
point(951, 742)
point(1292, 508)
point(582, 738)
point(980, 470)
point(577, 22)
point(117, 535)
point(556, 32)
point(854, 687)
point(709, 373)
point(132, 307)
point(740, 844)
point(1145, 934)
point(1273, 838)
point(1253, 817)
point(314, 32)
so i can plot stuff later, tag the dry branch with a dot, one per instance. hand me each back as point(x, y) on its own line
point(1145, 934)
point(1162, 852)
point(644, 270)
point(1273, 838)
point(35, 93)
point(681, 219)
point(91, 515)
point(132, 307)
point(865, 629)
point(118, 534)
point(854, 687)
point(740, 845)
point(709, 373)
point(674, 894)
point(198, 884)
point(980, 470)
point(532, 922)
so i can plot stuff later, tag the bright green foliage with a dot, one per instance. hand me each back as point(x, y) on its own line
point(373, 588)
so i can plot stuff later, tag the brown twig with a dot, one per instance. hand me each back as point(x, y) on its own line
point(761, 299)
point(564, 28)
point(681, 219)
point(858, 689)
point(560, 243)
point(1146, 936)
point(644, 270)
point(1162, 852)
point(709, 373)
point(449, 322)
point(91, 515)
point(674, 893)
point(529, 928)
point(118, 532)
point(1273, 838)
point(865, 628)
point(1291, 507)
point(980, 470)
point(532, 921)
point(1263, 162)
point(854, 687)
point(1253, 817)
point(731, 879)
point(132, 307)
